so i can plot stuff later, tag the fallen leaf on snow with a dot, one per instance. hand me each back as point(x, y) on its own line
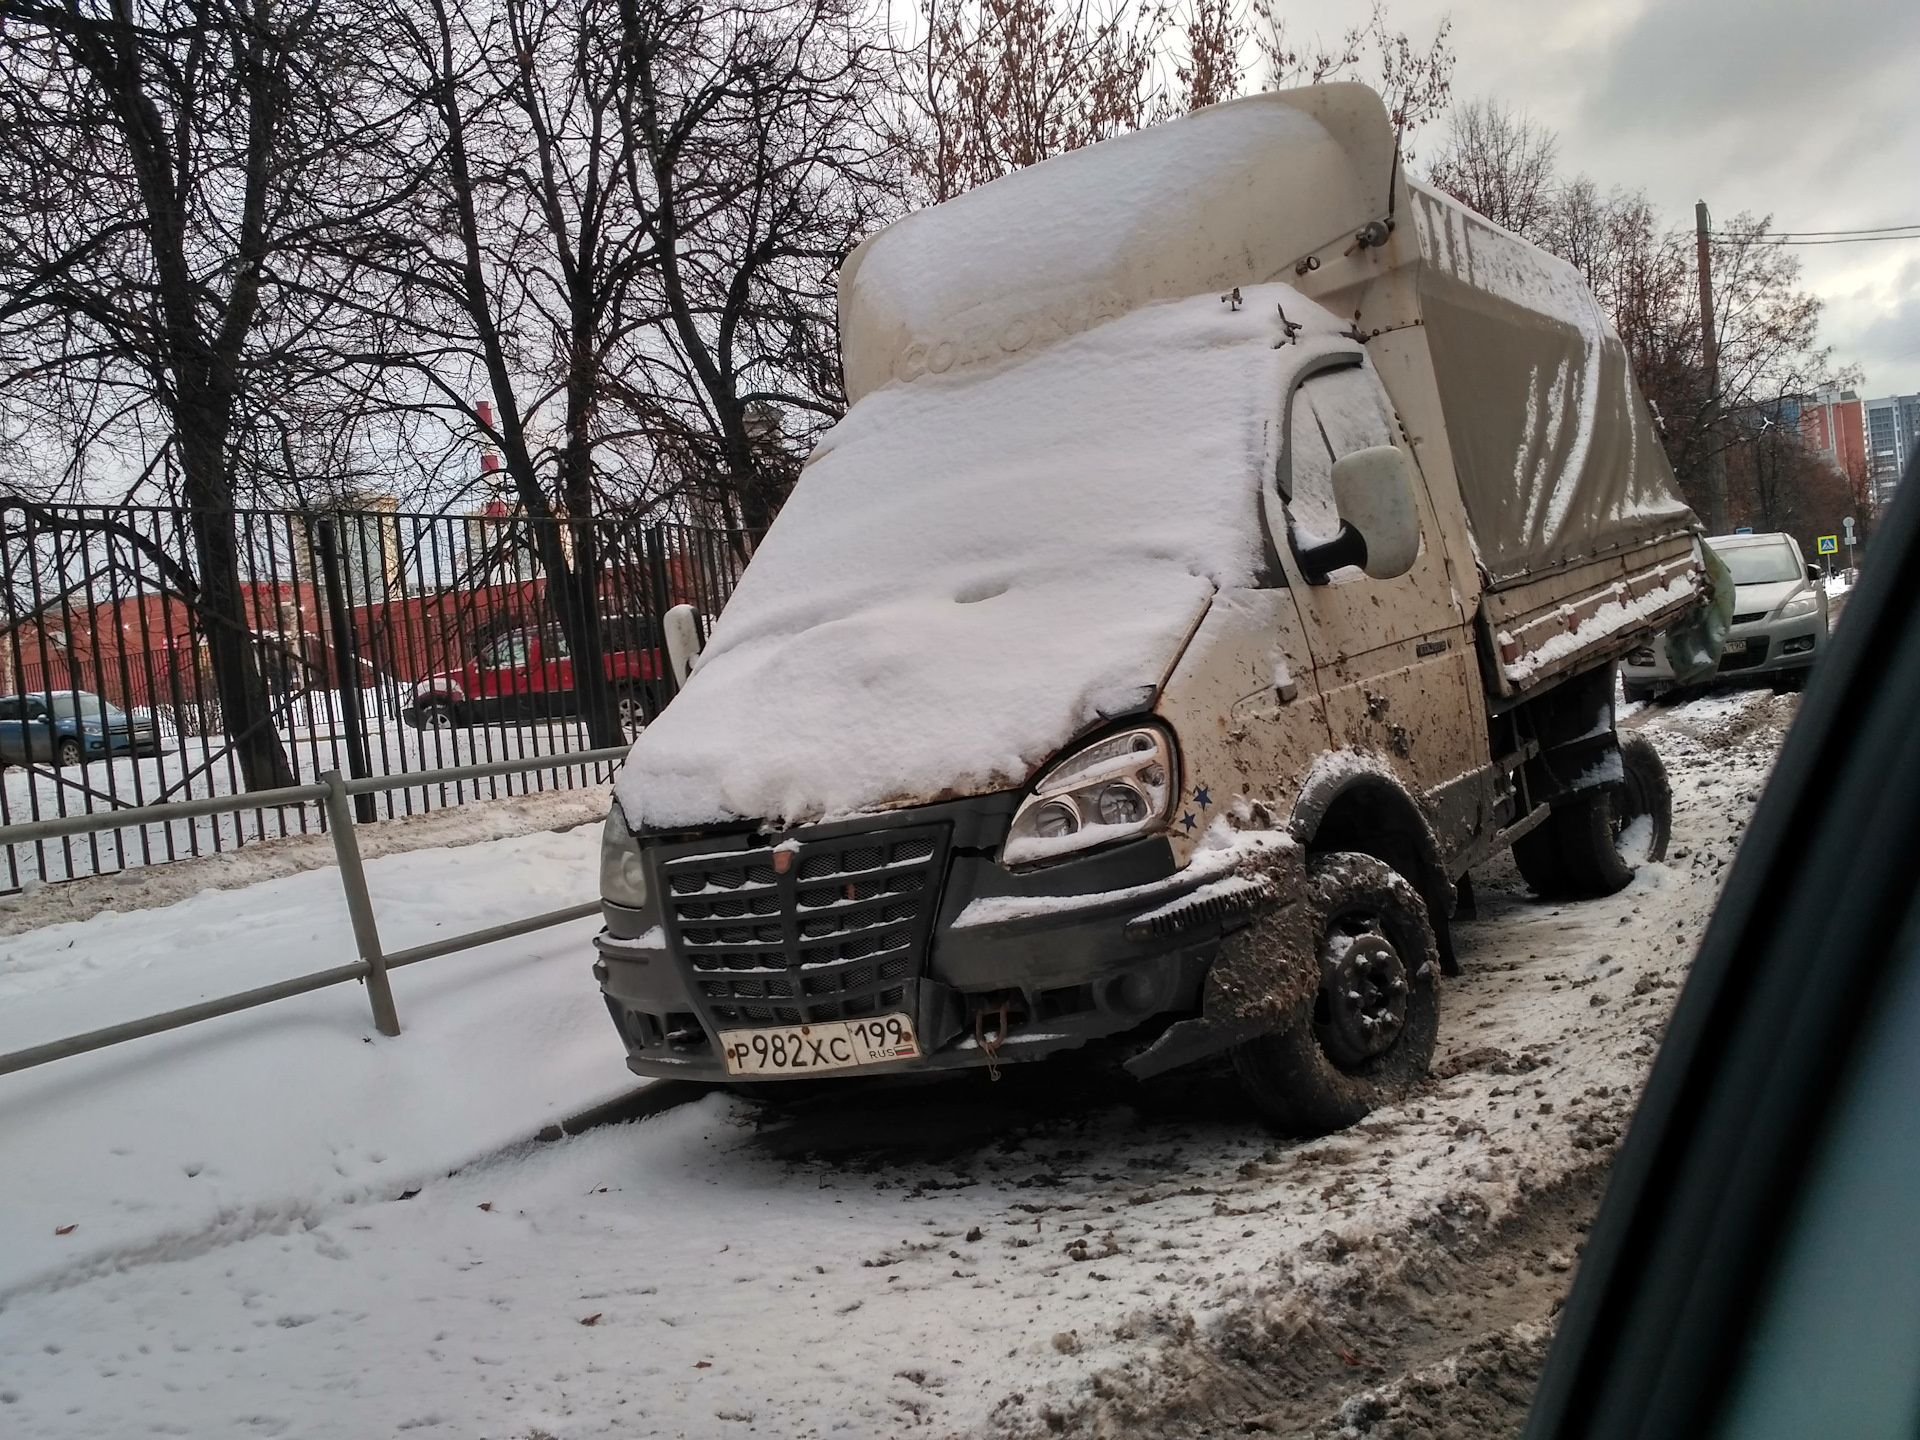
point(65, 1229)
point(593, 1319)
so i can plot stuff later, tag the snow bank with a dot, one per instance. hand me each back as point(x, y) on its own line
point(975, 567)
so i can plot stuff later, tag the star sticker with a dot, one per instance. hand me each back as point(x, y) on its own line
point(1201, 798)
point(1187, 820)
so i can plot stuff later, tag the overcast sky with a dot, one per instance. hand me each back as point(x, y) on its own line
point(1806, 111)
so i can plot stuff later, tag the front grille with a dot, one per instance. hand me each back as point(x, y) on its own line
point(1749, 619)
point(841, 934)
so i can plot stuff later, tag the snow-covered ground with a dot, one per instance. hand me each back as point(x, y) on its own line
point(283, 1224)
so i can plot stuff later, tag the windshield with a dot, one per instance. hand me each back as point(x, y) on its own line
point(1761, 564)
point(68, 703)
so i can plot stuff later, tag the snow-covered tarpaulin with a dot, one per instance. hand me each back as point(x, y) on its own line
point(980, 565)
point(1553, 444)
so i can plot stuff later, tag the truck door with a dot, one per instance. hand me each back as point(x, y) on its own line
point(1393, 658)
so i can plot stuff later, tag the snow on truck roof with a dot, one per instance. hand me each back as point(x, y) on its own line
point(1229, 195)
point(978, 566)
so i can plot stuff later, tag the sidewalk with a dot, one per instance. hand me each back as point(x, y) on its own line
point(167, 1145)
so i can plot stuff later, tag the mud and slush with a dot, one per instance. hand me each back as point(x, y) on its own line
point(1435, 1334)
point(1435, 1326)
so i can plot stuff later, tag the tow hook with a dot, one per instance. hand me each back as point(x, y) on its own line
point(991, 1041)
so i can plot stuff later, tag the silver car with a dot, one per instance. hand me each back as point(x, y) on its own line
point(1779, 619)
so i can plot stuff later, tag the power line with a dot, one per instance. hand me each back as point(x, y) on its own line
point(1856, 240)
point(1882, 230)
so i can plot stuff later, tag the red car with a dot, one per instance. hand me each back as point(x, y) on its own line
point(528, 674)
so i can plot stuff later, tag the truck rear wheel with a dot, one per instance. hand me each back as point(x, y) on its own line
point(1369, 1031)
point(1590, 846)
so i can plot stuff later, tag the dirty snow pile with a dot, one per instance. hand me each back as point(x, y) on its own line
point(976, 566)
point(269, 1240)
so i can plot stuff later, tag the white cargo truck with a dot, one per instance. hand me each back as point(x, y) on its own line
point(1229, 543)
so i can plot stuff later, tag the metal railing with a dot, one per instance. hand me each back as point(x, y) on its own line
point(335, 791)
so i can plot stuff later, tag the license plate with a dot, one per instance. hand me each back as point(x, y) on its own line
point(1736, 647)
point(822, 1045)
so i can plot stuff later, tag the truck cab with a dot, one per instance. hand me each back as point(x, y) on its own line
point(1228, 545)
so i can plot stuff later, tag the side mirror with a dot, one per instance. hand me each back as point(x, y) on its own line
point(1813, 574)
point(682, 628)
point(1379, 526)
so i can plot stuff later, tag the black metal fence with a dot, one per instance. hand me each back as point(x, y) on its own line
point(375, 642)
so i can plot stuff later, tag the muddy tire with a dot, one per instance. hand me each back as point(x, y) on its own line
point(1369, 1031)
point(1581, 852)
point(1644, 793)
point(1636, 694)
point(67, 752)
point(1536, 855)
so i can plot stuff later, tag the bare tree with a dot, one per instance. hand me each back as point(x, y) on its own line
point(760, 157)
point(635, 213)
point(1207, 67)
point(1415, 83)
point(1502, 165)
point(993, 86)
point(518, 276)
point(171, 171)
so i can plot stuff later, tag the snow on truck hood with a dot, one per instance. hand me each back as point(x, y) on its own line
point(977, 566)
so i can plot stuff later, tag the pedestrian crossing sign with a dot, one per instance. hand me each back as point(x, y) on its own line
point(1829, 544)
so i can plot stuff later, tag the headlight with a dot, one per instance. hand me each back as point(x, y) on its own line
point(1118, 787)
point(623, 870)
point(1798, 606)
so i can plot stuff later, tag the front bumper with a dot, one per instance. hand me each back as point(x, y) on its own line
point(1758, 648)
point(140, 744)
point(993, 967)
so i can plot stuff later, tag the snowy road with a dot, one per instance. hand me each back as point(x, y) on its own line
point(268, 1240)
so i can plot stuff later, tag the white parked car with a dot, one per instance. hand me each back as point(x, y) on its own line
point(1779, 618)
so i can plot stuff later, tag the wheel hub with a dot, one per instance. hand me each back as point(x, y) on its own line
point(1363, 996)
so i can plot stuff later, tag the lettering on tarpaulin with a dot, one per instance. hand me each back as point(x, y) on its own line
point(989, 340)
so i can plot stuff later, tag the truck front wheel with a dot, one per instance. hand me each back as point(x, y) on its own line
point(1368, 1032)
point(1591, 846)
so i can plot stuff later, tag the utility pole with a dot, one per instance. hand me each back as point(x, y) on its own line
point(1710, 355)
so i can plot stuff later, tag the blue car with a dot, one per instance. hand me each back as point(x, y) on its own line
point(70, 727)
